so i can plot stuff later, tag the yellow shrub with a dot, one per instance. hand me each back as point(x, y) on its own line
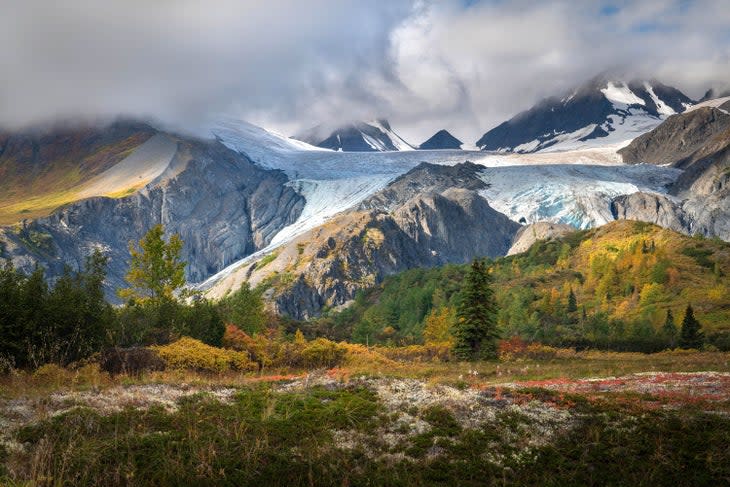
point(323, 353)
point(50, 374)
point(435, 352)
point(188, 353)
point(361, 355)
point(291, 354)
point(90, 375)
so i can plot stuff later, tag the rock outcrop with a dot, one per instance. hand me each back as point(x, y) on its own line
point(653, 208)
point(681, 140)
point(441, 140)
point(442, 219)
point(529, 234)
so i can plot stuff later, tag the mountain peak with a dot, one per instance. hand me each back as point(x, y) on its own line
point(373, 136)
point(441, 140)
point(604, 110)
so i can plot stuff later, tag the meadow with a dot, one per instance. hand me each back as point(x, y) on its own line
point(377, 416)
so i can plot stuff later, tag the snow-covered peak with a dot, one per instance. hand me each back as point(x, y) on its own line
point(601, 112)
point(372, 136)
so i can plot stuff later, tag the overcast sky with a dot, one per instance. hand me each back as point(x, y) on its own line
point(463, 65)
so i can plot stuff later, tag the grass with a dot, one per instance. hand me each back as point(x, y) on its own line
point(266, 260)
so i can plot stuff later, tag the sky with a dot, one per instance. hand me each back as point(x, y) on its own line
point(463, 65)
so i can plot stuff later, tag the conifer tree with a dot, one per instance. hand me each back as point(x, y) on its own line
point(572, 302)
point(691, 335)
point(669, 330)
point(475, 330)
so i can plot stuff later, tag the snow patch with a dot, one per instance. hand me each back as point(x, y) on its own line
point(661, 107)
point(143, 165)
point(621, 94)
point(395, 139)
point(714, 103)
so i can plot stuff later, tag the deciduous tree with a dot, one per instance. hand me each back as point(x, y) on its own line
point(155, 270)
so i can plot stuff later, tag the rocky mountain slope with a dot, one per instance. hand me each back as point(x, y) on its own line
point(250, 194)
point(604, 110)
point(441, 140)
point(223, 206)
point(713, 94)
point(371, 136)
point(698, 142)
point(432, 215)
point(529, 234)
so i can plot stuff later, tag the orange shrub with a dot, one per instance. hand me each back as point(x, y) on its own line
point(260, 348)
point(511, 348)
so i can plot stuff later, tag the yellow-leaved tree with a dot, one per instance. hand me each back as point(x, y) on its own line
point(155, 270)
point(437, 329)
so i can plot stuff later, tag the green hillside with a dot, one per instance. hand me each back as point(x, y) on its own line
point(624, 276)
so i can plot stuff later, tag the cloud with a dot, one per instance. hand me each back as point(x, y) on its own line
point(481, 64)
point(291, 64)
point(181, 60)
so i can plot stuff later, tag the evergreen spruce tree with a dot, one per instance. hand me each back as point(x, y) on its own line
point(475, 330)
point(691, 335)
point(572, 302)
point(669, 330)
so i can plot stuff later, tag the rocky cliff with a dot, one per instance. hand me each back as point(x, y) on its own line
point(529, 234)
point(223, 206)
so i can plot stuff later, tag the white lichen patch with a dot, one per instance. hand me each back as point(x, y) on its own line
point(139, 397)
point(524, 425)
point(15, 413)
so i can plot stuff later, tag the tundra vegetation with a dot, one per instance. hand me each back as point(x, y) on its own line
point(526, 370)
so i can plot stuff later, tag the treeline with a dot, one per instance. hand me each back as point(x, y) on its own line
point(70, 319)
point(60, 323)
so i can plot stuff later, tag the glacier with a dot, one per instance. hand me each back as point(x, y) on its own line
point(573, 187)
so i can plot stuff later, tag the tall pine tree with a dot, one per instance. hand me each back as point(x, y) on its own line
point(691, 335)
point(475, 330)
